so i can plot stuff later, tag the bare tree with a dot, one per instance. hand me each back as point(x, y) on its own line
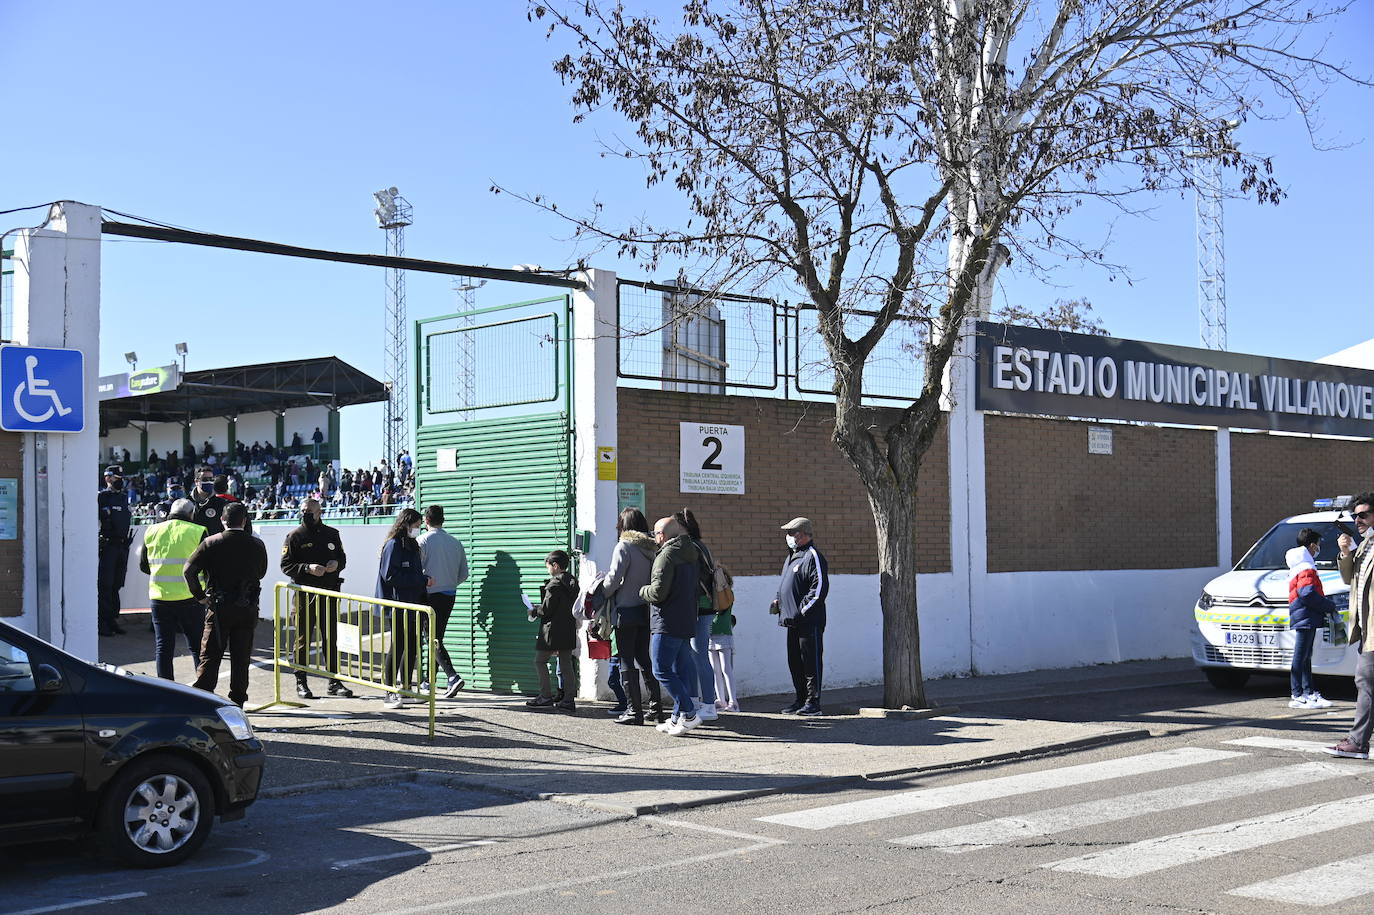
point(1072, 315)
point(886, 157)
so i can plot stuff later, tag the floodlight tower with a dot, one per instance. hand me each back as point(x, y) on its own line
point(393, 215)
point(1211, 245)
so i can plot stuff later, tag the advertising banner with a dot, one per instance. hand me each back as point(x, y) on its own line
point(152, 381)
point(1034, 371)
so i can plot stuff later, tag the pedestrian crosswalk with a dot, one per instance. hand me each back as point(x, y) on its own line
point(1197, 792)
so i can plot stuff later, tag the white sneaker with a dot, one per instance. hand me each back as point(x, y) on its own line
point(707, 712)
point(683, 726)
point(666, 726)
point(1298, 702)
point(1316, 700)
point(393, 700)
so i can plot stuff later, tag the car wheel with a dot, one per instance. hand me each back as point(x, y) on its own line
point(157, 812)
point(1226, 677)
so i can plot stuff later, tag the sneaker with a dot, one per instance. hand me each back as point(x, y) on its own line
point(706, 712)
point(616, 712)
point(567, 705)
point(540, 702)
point(810, 709)
point(303, 690)
point(1317, 700)
point(666, 726)
point(630, 718)
point(393, 700)
point(1300, 702)
point(683, 726)
point(336, 688)
point(793, 708)
point(1348, 750)
point(455, 685)
point(424, 688)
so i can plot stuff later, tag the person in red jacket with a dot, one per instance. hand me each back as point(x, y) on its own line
point(1308, 609)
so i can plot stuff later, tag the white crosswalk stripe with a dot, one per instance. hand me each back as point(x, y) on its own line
point(1222, 839)
point(1326, 884)
point(1281, 743)
point(1003, 830)
point(908, 802)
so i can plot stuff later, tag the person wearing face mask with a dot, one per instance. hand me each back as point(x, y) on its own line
point(211, 495)
point(800, 606)
point(313, 555)
point(163, 510)
point(116, 533)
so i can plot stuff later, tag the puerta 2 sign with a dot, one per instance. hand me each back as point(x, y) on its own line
point(1029, 370)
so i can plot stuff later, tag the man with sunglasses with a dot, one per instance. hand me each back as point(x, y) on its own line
point(1356, 563)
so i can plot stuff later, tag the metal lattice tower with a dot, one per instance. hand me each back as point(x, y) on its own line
point(393, 215)
point(466, 287)
point(1211, 236)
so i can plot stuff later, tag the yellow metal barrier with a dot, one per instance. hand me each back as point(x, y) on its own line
point(343, 636)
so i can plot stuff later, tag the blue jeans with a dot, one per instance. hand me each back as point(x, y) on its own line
point(1300, 674)
point(673, 668)
point(169, 618)
point(701, 644)
point(613, 682)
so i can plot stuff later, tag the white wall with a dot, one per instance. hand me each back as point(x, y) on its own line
point(305, 419)
point(215, 428)
point(127, 437)
point(258, 427)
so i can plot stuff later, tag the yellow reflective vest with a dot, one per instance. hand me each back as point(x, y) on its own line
point(168, 546)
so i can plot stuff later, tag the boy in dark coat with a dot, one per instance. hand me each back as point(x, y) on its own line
point(557, 634)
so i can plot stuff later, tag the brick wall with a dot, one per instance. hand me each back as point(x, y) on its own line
point(1051, 505)
point(11, 551)
point(1274, 476)
point(791, 468)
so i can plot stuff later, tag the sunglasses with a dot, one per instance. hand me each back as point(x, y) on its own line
point(1360, 516)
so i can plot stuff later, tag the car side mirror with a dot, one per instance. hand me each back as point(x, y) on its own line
point(47, 678)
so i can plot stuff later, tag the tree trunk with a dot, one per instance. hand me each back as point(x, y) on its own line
point(894, 515)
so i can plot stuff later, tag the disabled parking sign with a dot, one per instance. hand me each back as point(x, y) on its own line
point(42, 389)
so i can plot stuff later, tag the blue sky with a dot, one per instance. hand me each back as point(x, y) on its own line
point(278, 120)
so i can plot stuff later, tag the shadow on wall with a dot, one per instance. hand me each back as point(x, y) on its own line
point(499, 620)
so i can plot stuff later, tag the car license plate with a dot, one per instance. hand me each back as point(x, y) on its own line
point(1259, 639)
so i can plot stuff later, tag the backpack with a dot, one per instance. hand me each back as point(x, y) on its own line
point(714, 584)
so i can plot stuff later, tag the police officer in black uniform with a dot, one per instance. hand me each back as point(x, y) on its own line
point(211, 495)
point(313, 555)
point(116, 533)
point(163, 510)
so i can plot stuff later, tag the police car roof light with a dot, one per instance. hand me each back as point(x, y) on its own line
point(1333, 503)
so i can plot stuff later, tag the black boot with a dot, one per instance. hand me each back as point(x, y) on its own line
point(336, 688)
point(303, 689)
point(634, 713)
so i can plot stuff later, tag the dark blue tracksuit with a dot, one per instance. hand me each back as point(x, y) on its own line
point(801, 609)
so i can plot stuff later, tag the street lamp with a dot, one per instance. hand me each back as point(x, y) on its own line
point(132, 359)
point(181, 351)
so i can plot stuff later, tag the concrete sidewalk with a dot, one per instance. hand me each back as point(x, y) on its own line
point(494, 742)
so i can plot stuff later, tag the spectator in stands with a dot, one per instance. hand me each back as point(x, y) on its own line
point(207, 449)
point(255, 453)
point(318, 438)
point(296, 443)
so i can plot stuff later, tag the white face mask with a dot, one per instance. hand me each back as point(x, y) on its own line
point(414, 532)
point(791, 542)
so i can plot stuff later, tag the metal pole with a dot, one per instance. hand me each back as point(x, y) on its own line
point(42, 564)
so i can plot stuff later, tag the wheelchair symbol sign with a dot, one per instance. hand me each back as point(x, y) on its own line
point(42, 389)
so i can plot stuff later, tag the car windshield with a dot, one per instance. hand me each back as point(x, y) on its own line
point(1273, 547)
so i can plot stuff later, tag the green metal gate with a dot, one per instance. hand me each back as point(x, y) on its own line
point(494, 448)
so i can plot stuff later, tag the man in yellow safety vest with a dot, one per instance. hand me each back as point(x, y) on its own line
point(163, 554)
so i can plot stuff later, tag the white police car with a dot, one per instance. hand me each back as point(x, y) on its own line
point(1241, 619)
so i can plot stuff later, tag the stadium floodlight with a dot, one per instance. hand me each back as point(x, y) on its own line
point(132, 359)
point(181, 349)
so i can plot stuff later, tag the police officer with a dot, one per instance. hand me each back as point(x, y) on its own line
point(313, 555)
point(116, 533)
point(234, 563)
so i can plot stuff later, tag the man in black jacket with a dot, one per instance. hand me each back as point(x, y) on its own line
point(234, 563)
point(116, 533)
point(313, 555)
point(801, 609)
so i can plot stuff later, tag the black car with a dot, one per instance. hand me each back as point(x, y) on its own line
point(146, 764)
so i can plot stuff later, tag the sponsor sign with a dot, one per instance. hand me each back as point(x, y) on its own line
point(125, 384)
point(1029, 370)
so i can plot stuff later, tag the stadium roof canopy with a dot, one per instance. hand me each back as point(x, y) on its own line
point(269, 387)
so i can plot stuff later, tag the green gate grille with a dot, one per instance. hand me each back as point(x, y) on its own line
point(505, 481)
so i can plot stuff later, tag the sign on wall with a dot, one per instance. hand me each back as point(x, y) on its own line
point(152, 381)
point(9, 508)
point(711, 458)
point(1029, 370)
point(42, 389)
point(631, 495)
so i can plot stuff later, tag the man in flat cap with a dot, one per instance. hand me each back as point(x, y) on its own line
point(800, 606)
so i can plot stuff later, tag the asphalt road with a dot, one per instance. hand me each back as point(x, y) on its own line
point(1188, 820)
